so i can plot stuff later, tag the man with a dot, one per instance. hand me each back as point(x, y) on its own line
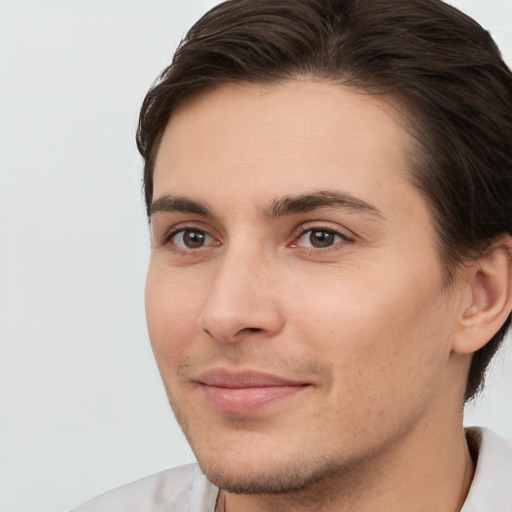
point(329, 184)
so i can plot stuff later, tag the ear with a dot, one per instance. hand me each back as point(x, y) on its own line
point(489, 301)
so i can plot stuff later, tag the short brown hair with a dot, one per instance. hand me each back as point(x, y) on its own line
point(439, 65)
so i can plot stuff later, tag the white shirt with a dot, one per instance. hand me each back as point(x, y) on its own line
point(186, 489)
point(491, 489)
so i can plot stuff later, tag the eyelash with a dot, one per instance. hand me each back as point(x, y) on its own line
point(311, 229)
point(343, 238)
point(168, 240)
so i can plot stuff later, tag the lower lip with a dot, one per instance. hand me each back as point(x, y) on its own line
point(244, 401)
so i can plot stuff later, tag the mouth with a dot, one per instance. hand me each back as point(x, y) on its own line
point(246, 392)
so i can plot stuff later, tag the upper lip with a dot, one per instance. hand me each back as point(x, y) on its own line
point(244, 379)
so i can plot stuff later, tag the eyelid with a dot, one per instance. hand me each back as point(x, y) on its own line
point(178, 240)
point(168, 235)
point(345, 233)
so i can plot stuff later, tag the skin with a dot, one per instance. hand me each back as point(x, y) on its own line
point(365, 321)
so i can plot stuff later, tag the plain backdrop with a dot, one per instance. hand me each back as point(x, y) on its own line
point(82, 409)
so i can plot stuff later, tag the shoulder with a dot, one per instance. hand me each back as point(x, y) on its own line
point(180, 489)
point(491, 489)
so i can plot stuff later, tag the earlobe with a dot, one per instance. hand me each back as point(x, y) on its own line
point(490, 300)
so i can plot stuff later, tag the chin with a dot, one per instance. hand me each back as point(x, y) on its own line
point(271, 476)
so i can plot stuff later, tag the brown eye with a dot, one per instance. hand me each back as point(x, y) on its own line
point(319, 238)
point(192, 239)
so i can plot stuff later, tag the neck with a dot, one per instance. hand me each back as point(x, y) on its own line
point(429, 469)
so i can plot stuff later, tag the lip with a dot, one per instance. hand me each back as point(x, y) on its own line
point(246, 392)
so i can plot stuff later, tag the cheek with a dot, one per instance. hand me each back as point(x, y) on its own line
point(171, 317)
point(378, 332)
point(386, 356)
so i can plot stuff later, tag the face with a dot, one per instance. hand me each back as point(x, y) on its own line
point(294, 298)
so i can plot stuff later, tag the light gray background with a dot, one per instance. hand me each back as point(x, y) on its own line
point(81, 406)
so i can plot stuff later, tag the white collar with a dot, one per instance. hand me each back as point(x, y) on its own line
point(491, 489)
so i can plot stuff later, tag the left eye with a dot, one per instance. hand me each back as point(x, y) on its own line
point(319, 238)
point(192, 239)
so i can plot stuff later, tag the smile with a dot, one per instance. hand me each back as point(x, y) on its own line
point(245, 393)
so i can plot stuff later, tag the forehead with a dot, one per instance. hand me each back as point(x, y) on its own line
point(272, 140)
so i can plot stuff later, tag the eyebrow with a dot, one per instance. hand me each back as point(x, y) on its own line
point(287, 205)
point(170, 203)
point(322, 199)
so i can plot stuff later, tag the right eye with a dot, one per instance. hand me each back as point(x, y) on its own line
point(190, 239)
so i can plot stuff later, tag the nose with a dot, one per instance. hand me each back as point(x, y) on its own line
point(243, 300)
